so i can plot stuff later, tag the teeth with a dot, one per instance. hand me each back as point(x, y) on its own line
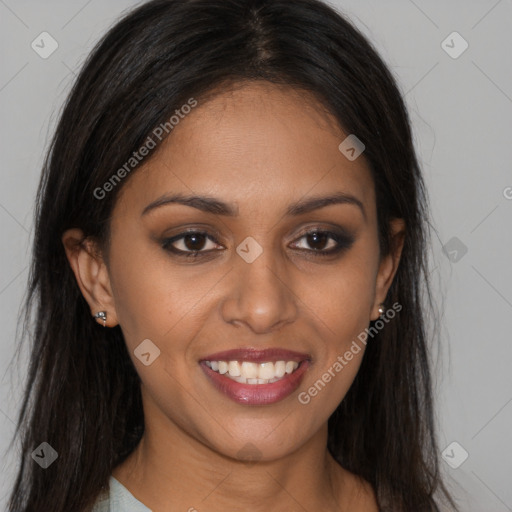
point(249, 370)
point(253, 373)
point(266, 371)
point(234, 369)
point(280, 367)
point(290, 366)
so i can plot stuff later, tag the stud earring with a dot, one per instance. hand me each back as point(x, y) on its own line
point(382, 308)
point(102, 315)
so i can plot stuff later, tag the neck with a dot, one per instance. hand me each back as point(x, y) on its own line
point(172, 470)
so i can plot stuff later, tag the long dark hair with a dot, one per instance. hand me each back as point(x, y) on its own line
point(83, 394)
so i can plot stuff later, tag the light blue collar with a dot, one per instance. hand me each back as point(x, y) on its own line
point(119, 499)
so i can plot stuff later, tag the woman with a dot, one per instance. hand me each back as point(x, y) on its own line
point(228, 272)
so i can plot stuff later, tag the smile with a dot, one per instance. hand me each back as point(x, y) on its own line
point(253, 373)
point(256, 377)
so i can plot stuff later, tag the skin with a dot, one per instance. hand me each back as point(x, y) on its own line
point(259, 147)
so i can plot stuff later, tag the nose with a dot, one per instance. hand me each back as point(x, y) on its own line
point(261, 295)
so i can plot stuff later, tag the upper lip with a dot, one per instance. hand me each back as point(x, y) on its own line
point(256, 355)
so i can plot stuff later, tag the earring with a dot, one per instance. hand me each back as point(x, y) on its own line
point(382, 308)
point(102, 315)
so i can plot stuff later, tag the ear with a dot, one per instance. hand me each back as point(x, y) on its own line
point(388, 265)
point(91, 274)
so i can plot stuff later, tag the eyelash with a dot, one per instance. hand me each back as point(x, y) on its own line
point(343, 242)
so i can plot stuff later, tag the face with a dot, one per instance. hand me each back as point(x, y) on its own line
point(252, 272)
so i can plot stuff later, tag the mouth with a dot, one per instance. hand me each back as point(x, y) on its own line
point(256, 377)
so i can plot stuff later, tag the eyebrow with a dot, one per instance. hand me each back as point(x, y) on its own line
point(217, 207)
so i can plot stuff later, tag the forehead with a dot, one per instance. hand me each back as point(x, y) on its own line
point(257, 142)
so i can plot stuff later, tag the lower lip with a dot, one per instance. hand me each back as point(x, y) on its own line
point(257, 394)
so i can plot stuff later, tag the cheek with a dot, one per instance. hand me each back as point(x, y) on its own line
point(342, 299)
point(341, 304)
point(156, 302)
point(153, 304)
point(146, 297)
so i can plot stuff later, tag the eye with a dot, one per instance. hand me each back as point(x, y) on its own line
point(319, 241)
point(190, 243)
point(193, 244)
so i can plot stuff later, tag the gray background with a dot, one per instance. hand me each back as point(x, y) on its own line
point(461, 109)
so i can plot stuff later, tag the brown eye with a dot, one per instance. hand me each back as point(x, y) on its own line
point(318, 240)
point(324, 243)
point(194, 241)
point(190, 243)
